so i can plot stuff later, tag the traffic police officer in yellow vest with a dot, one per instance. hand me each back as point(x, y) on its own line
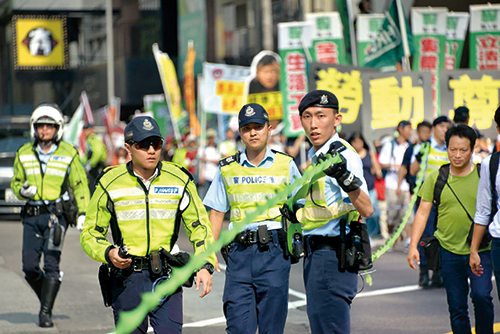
point(257, 274)
point(330, 199)
point(44, 170)
point(144, 203)
point(96, 154)
point(436, 157)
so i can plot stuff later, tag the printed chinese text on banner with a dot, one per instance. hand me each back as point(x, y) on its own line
point(223, 88)
point(368, 26)
point(294, 40)
point(389, 98)
point(429, 31)
point(456, 29)
point(40, 42)
point(388, 49)
point(478, 90)
point(345, 83)
point(484, 44)
point(263, 84)
point(327, 38)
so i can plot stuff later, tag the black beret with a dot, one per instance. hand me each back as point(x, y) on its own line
point(318, 98)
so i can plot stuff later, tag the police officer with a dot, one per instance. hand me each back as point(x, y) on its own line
point(257, 275)
point(96, 155)
point(144, 203)
point(43, 172)
point(329, 291)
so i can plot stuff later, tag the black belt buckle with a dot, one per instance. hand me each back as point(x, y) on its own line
point(251, 237)
point(137, 264)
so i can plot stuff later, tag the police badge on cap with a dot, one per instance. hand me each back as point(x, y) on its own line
point(252, 113)
point(318, 98)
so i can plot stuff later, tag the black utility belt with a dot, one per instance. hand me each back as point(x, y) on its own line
point(318, 242)
point(255, 237)
point(37, 210)
point(140, 263)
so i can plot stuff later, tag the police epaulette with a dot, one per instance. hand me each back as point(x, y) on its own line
point(232, 158)
point(104, 171)
point(276, 152)
point(338, 146)
point(187, 172)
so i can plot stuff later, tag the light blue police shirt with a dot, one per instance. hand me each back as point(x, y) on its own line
point(333, 192)
point(483, 201)
point(217, 199)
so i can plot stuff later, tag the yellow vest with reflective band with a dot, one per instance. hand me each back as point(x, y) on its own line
point(49, 186)
point(435, 159)
point(249, 187)
point(146, 219)
point(316, 211)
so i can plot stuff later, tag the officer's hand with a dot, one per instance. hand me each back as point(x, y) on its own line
point(80, 222)
point(346, 179)
point(205, 278)
point(475, 264)
point(28, 191)
point(413, 256)
point(117, 260)
point(418, 157)
point(288, 213)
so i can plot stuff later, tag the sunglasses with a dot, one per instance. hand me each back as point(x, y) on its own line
point(144, 144)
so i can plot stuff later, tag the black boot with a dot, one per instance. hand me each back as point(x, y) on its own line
point(49, 292)
point(423, 279)
point(36, 285)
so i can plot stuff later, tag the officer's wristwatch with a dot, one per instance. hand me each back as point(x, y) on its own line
point(208, 266)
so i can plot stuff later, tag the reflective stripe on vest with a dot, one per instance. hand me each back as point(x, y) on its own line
point(49, 188)
point(435, 159)
point(249, 187)
point(316, 211)
point(142, 222)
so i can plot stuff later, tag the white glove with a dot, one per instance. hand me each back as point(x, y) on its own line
point(28, 191)
point(80, 222)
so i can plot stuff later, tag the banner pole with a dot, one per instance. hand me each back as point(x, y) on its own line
point(404, 36)
point(354, 53)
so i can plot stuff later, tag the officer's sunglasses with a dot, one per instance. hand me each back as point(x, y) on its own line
point(144, 144)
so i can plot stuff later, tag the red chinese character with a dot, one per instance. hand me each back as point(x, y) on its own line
point(294, 98)
point(429, 62)
point(326, 52)
point(296, 82)
point(295, 120)
point(487, 52)
point(429, 44)
point(295, 62)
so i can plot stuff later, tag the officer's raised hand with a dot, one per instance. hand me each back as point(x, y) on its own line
point(118, 261)
point(28, 191)
point(346, 179)
point(204, 277)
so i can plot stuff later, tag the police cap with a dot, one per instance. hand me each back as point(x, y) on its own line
point(318, 98)
point(142, 127)
point(252, 113)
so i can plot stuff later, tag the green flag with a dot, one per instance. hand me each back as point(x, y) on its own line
point(388, 48)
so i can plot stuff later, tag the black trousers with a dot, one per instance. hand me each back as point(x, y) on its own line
point(36, 232)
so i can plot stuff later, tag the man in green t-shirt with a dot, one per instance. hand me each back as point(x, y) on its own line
point(453, 226)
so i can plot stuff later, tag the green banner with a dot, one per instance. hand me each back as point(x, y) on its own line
point(484, 45)
point(367, 26)
point(456, 29)
point(327, 38)
point(294, 43)
point(387, 49)
point(429, 36)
